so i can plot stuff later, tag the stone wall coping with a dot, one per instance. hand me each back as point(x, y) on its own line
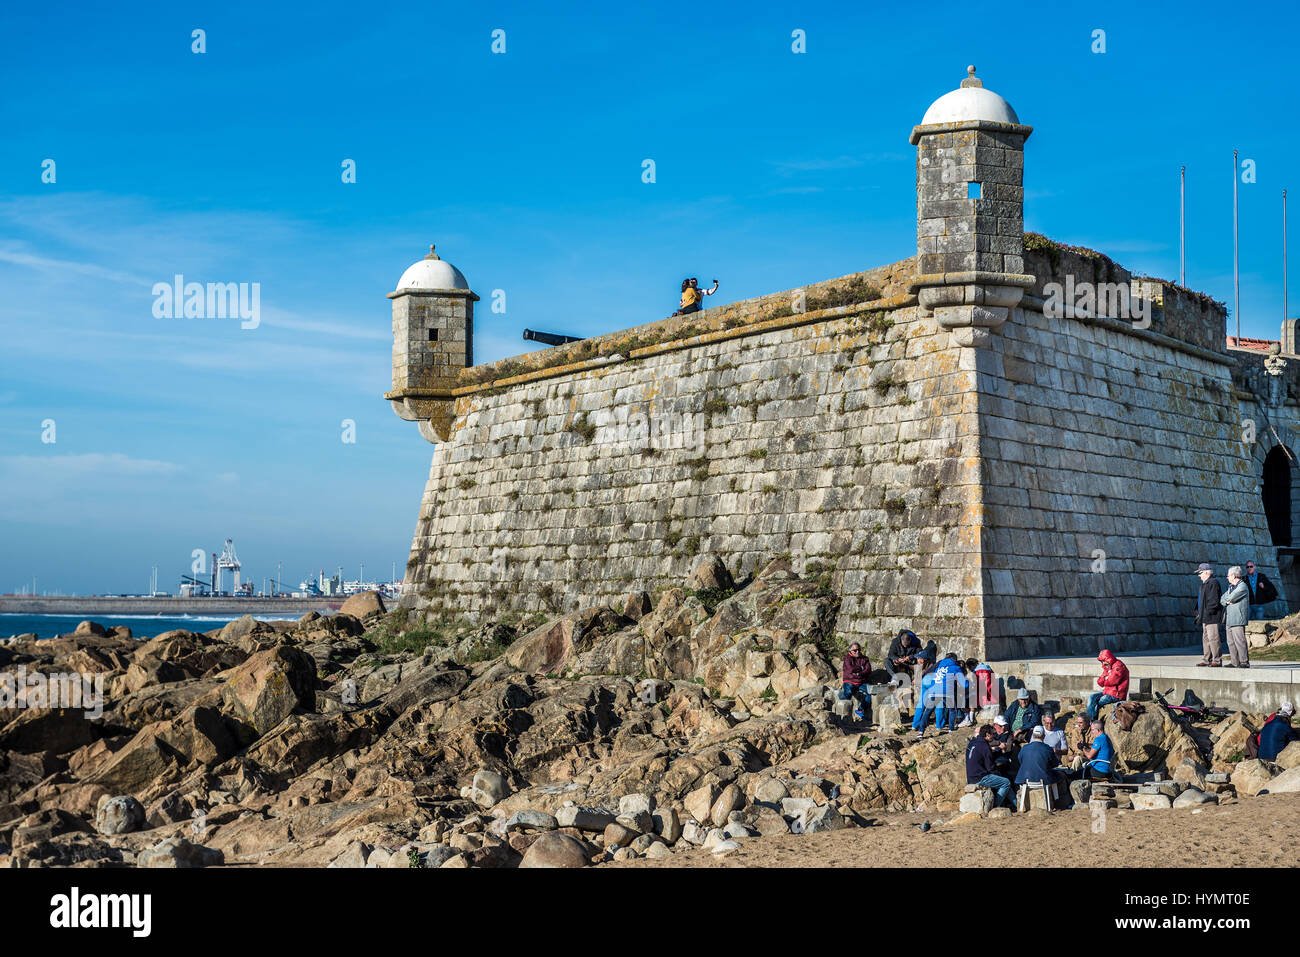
point(992, 126)
point(447, 293)
point(1231, 676)
point(980, 277)
point(1035, 304)
point(672, 345)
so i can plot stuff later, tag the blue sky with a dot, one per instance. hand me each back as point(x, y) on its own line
point(773, 169)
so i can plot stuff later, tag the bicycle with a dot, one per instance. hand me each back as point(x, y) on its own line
point(1186, 714)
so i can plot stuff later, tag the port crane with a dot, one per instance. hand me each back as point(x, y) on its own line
point(229, 560)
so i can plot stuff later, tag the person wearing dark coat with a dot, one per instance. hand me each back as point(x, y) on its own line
point(1209, 615)
point(1262, 590)
point(903, 652)
point(1275, 736)
point(1024, 714)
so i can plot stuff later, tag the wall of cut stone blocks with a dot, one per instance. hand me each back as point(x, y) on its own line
point(854, 449)
point(956, 233)
point(1096, 439)
point(419, 363)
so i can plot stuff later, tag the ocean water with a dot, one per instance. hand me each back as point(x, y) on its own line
point(142, 626)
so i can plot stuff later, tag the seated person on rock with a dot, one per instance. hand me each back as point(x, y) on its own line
point(856, 676)
point(1053, 736)
point(1097, 760)
point(1024, 714)
point(901, 661)
point(1038, 762)
point(1113, 683)
point(1276, 733)
point(1004, 747)
point(1080, 734)
point(904, 652)
point(980, 767)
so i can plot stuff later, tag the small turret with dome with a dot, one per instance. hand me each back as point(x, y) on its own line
point(433, 340)
point(970, 210)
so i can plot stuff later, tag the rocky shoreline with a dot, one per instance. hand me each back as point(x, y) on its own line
point(700, 718)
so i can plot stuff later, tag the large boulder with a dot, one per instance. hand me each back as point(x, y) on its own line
point(119, 815)
point(363, 605)
point(553, 849)
point(1155, 741)
point(244, 627)
point(710, 575)
point(1230, 735)
point(269, 686)
point(178, 852)
point(57, 730)
point(1251, 776)
point(549, 647)
point(142, 765)
point(1289, 757)
point(1288, 782)
point(199, 734)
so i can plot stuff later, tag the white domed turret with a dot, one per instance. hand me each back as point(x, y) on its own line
point(968, 103)
point(970, 201)
point(432, 272)
point(433, 342)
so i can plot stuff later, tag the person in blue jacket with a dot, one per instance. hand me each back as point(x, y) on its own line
point(944, 697)
point(1097, 760)
point(924, 704)
point(1276, 735)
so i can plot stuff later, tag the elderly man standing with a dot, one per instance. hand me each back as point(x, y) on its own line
point(1236, 604)
point(1209, 615)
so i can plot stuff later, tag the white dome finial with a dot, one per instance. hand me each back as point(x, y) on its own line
point(970, 102)
point(432, 272)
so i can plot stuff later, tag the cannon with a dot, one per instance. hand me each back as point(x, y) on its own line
point(550, 338)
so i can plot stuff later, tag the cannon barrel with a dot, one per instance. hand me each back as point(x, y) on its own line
point(550, 338)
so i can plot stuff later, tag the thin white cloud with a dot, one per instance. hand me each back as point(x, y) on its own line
point(65, 266)
point(88, 463)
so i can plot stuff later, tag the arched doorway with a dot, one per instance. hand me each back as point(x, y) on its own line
point(1277, 495)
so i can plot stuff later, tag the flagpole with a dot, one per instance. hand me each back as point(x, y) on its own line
point(1236, 274)
point(1182, 226)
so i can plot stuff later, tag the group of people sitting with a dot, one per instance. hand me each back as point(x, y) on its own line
point(997, 757)
point(1022, 745)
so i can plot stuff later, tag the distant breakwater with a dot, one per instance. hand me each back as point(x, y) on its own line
point(170, 606)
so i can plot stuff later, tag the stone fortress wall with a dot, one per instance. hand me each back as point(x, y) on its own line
point(931, 440)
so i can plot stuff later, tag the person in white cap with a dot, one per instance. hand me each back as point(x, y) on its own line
point(1004, 747)
point(1277, 733)
point(1038, 762)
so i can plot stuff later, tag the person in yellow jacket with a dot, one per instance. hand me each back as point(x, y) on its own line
point(693, 295)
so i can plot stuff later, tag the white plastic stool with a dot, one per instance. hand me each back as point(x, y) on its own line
point(1050, 795)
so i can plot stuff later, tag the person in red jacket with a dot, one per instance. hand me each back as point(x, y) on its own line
point(856, 674)
point(1113, 683)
